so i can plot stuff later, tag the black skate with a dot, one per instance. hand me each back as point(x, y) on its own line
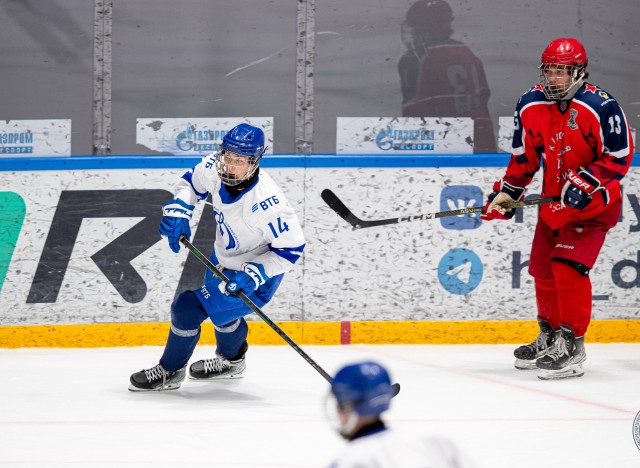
point(526, 355)
point(220, 367)
point(156, 379)
point(566, 359)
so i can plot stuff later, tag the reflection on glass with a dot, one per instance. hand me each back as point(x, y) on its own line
point(440, 76)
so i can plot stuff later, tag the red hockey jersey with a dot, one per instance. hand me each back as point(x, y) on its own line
point(588, 131)
point(450, 82)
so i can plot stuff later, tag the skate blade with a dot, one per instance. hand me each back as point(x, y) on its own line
point(174, 386)
point(567, 373)
point(522, 364)
point(219, 377)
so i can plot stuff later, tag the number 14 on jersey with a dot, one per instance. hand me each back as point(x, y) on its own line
point(282, 227)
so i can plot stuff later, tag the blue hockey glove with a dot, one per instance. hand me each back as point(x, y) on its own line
point(579, 188)
point(175, 222)
point(502, 192)
point(248, 280)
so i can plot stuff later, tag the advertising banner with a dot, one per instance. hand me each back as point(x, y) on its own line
point(191, 136)
point(49, 137)
point(83, 247)
point(404, 135)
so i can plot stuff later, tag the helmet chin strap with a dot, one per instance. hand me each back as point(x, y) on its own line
point(573, 89)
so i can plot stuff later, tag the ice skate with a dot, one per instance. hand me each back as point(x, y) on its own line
point(156, 379)
point(220, 367)
point(566, 359)
point(527, 355)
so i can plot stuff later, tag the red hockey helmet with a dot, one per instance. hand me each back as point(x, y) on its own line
point(563, 55)
point(565, 51)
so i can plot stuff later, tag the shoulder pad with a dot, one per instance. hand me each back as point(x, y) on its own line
point(534, 93)
point(594, 96)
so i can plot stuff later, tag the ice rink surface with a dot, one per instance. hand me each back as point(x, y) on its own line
point(71, 407)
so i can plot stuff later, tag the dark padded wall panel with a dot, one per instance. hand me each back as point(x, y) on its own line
point(199, 58)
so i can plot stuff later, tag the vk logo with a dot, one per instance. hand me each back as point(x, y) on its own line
point(460, 271)
point(456, 197)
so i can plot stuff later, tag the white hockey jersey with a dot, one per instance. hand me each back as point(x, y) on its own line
point(259, 225)
point(389, 449)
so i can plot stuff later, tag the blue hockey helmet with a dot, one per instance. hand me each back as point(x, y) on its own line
point(241, 141)
point(364, 388)
point(244, 140)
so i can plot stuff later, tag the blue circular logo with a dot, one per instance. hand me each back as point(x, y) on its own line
point(460, 271)
point(184, 141)
point(384, 139)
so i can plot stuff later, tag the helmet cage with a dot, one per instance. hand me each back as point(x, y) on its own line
point(563, 68)
point(224, 165)
point(242, 141)
point(558, 90)
point(342, 417)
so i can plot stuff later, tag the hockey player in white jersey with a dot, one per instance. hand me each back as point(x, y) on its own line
point(360, 393)
point(258, 240)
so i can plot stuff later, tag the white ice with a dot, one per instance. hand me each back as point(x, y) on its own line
point(71, 407)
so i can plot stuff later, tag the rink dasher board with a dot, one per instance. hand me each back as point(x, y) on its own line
point(451, 269)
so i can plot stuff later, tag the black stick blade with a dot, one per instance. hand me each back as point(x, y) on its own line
point(341, 209)
point(396, 389)
point(335, 203)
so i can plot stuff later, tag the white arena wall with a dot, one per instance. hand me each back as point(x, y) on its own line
point(441, 270)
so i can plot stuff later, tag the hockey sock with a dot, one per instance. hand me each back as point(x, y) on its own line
point(547, 301)
point(187, 314)
point(574, 297)
point(179, 348)
point(230, 338)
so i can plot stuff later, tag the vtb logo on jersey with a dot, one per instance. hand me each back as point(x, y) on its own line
point(571, 123)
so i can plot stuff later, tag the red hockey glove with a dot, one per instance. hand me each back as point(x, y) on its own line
point(502, 192)
point(579, 188)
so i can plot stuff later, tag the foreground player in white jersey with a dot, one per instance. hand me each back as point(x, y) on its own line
point(360, 393)
point(259, 238)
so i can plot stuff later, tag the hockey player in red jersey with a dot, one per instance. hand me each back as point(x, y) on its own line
point(579, 135)
point(441, 77)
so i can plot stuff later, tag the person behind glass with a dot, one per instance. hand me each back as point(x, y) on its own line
point(259, 238)
point(579, 135)
point(441, 77)
point(360, 393)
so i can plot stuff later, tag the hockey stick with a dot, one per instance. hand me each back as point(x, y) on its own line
point(259, 313)
point(345, 213)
